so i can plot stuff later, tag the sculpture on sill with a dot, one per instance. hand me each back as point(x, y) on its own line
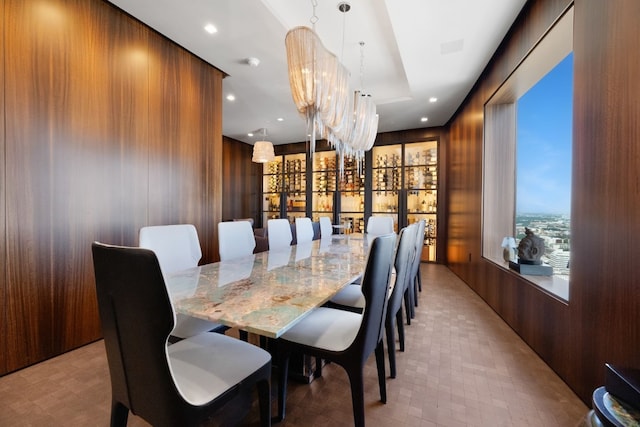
point(530, 248)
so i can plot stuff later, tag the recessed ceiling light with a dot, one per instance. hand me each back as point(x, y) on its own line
point(210, 28)
point(280, 119)
point(250, 134)
point(433, 99)
point(424, 119)
point(231, 97)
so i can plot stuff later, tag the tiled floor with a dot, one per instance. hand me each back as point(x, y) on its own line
point(463, 366)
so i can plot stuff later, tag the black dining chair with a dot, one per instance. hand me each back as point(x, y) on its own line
point(344, 337)
point(351, 298)
point(405, 250)
point(415, 279)
point(167, 385)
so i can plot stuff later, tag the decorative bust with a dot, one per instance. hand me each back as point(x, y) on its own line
point(530, 249)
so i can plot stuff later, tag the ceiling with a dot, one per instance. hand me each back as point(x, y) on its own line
point(413, 50)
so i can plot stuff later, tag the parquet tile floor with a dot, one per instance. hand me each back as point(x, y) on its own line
point(463, 366)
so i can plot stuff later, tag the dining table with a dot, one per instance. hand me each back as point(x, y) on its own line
point(268, 292)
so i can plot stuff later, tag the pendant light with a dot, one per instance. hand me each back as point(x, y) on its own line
point(263, 150)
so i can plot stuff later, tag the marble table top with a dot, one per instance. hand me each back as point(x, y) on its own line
point(268, 292)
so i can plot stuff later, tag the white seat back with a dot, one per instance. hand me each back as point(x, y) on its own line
point(176, 246)
point(326, 228)
point(304, 230)
point(235, 239)
point(279, 232)
point(379, 225)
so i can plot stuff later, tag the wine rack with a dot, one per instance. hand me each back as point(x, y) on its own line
point(324, 184)
point(272, 189)
point(352, 188)
point(295, 185)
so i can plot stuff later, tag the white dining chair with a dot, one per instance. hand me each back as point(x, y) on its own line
point(235, 239)
point(379, 225)
point(177, 247)
point(279, 233)
point(304, 230)
point(326, 228)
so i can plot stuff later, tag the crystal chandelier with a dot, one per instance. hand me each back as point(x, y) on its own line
point(347, 119)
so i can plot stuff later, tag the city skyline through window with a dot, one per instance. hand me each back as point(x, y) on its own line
point(543, 163)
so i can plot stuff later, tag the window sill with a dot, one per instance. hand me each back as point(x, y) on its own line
point(556, 286)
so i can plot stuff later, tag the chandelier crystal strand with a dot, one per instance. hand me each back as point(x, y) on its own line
point(321, 93)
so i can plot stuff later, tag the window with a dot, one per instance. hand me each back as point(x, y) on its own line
point(527, 156)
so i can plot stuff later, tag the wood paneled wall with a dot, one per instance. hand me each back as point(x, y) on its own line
point(3, 255)
point(601, 321)
point(109, 127)
point(242, 182)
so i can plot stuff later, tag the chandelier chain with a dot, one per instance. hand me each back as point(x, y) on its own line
point(362, 67)
point(314, 17)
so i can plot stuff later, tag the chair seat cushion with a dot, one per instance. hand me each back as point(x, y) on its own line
point(206, 365)
point(350, 296)
point(326, 328)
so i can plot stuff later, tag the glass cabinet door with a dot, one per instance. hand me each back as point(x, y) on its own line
point(351, 186)
point(387, 180)
point(421, 186)
point(324, 184)
point(295, 185)
point(271, 189)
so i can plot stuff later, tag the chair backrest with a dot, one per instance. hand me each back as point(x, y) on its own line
point(419, 242)
point(279, 233)
point(235, 239)
point(304, 230)
point(176, 246)
point(378, 225)
point(131, 291)
point(375, 287)
point(245, 219)
point(403, 263)
point(326, 228)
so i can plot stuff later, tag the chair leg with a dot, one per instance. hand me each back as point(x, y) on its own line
point(283, 368)
point(357, 394)
point(381, 377)
point(419, 281)
point(318, 372)
point(391, 344)
point(264, 399)
point(415, 290)
point(400, 326)
point(119, 414)
point(407, 304)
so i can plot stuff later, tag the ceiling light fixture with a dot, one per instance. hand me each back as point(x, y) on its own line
point(347, 119)
point(424, 119)
point(433, 99)
point(253, 62)
point(210, 28)
point(263, 150)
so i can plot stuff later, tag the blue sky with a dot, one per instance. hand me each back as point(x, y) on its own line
point(544, 143)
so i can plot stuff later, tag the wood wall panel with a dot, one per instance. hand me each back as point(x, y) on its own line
point(3, 242)
point(606, 190)
point(601, 321)
point(242, 182)
point(82, 146)
point(183, 96)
